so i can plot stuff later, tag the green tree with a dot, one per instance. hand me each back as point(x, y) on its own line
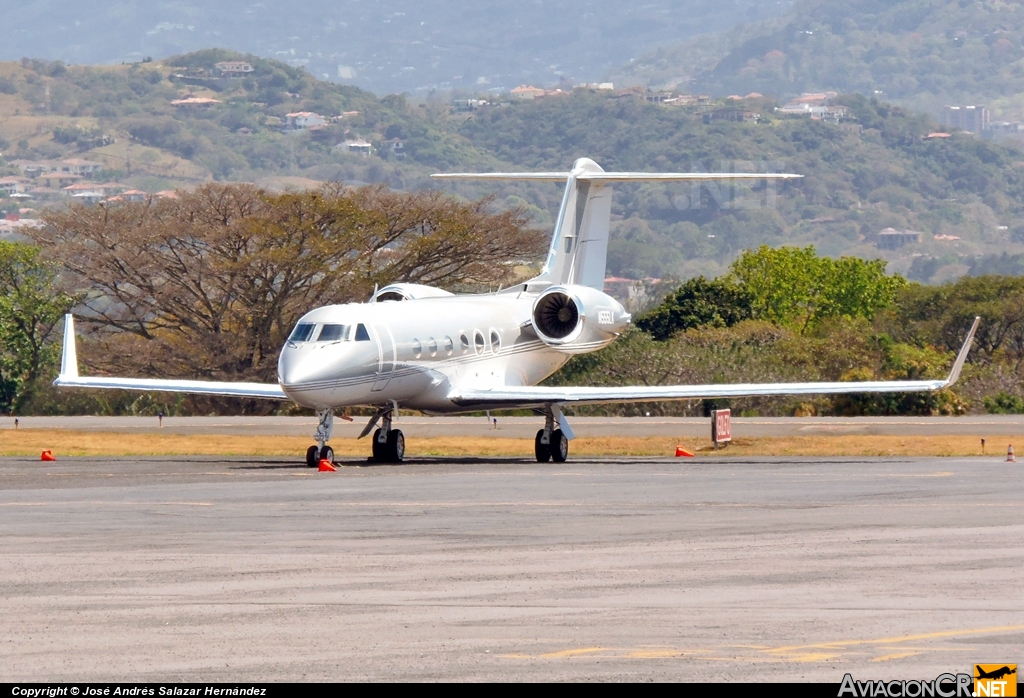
point(698, 302)
point(30, 309)
point(795, 287)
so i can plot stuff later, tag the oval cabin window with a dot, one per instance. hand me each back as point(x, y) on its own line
point(495, 342)
point(448, 346)
point(417, 349)
point(432, 346)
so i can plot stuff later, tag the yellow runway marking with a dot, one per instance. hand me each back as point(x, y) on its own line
point(895, 655)
point(817, 652)
point(574, 652)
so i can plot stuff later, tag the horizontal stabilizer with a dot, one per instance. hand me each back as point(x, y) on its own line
point(620, 176)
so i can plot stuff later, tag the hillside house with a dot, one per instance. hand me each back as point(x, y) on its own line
point(527, 92)
point(892, 239)
point(57, 180)
point(360, 147)
point(233, 69)
point(34, 168)
point(395, 146)
point(735, 115)
point(78, 166)
point(302, 120)
point(14, 185)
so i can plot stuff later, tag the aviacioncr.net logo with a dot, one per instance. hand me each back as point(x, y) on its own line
point(942, 686)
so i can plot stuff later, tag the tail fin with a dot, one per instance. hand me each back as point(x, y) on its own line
point(579, 243)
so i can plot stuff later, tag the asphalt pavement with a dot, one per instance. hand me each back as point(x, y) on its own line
point(221, 569)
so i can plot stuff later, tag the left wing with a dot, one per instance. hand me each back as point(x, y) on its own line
point(69, 378)
point(538, 396)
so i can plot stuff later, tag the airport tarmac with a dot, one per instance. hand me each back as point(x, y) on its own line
point(526, 427)
point(220, 569)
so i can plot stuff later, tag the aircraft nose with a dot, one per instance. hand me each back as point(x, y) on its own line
point(294, 366)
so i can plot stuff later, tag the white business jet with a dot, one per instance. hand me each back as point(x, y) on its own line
point(423, 348)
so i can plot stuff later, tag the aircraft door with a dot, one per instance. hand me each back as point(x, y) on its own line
point(385, 357)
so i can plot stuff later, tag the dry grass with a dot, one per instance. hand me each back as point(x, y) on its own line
point(30, 442)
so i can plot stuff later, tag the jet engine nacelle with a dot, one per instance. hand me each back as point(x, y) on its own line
point(577, 319)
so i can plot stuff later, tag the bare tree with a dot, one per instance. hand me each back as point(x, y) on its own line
point(210, 284)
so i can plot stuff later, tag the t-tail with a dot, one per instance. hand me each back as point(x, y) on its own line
point(579, 243)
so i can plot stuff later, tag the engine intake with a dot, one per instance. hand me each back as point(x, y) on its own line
point(577, 319)
point(556, 315)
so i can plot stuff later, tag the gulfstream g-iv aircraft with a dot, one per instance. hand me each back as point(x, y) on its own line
point(423, 348)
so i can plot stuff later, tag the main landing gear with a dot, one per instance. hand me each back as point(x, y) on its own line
point(388, 443)
point(551, 443)
point(321, 451)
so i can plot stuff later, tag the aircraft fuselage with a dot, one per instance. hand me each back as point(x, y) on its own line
point(413, 352)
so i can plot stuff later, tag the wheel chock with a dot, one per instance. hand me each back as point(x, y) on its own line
point(680, 451)
point(326, 466)
point(47, 455)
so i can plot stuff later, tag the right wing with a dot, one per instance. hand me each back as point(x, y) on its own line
point(514, 396)
point(69, 378)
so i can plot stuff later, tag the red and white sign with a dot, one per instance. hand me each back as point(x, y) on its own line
point(721, 426)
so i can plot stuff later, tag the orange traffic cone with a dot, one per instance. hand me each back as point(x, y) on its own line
point(47, 455)
point(1009, 455)
point(680, 451)
point(326, 466)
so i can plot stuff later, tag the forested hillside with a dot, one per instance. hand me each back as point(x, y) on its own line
point(921, 53)
point(875, 170)
point(49, 110)
point(882, 172)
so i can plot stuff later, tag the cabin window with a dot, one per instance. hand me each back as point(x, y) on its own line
point(361, 334)
point(417, 348)
point(302, 332)
point(495, 342)
point(432, 346)
point(478, 339)
point(331, 333)
point(449, 347)
point(464, 343)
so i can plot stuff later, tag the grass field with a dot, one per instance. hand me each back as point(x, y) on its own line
point(31, 442)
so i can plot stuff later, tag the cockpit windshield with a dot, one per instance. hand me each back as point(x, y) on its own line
point(302, 332)
point(333, 333)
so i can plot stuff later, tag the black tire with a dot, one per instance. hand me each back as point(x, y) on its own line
point(559, 446)
point(378, 448)
point(396, 446)
point(313, 456)
point(327, 454)
point(542, 451)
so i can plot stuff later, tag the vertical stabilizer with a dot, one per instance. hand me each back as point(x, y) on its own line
point(579, 243)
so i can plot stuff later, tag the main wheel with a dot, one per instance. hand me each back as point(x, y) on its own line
point(327, 454)
point(559, 446)
point(543, 451)
point(379, 449)
point(396, 446)
point(312, 456)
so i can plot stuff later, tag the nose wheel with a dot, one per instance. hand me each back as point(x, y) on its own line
point(315, 454)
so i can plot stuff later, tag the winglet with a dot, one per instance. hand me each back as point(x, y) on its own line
point(69, 357)
point(954, 375)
